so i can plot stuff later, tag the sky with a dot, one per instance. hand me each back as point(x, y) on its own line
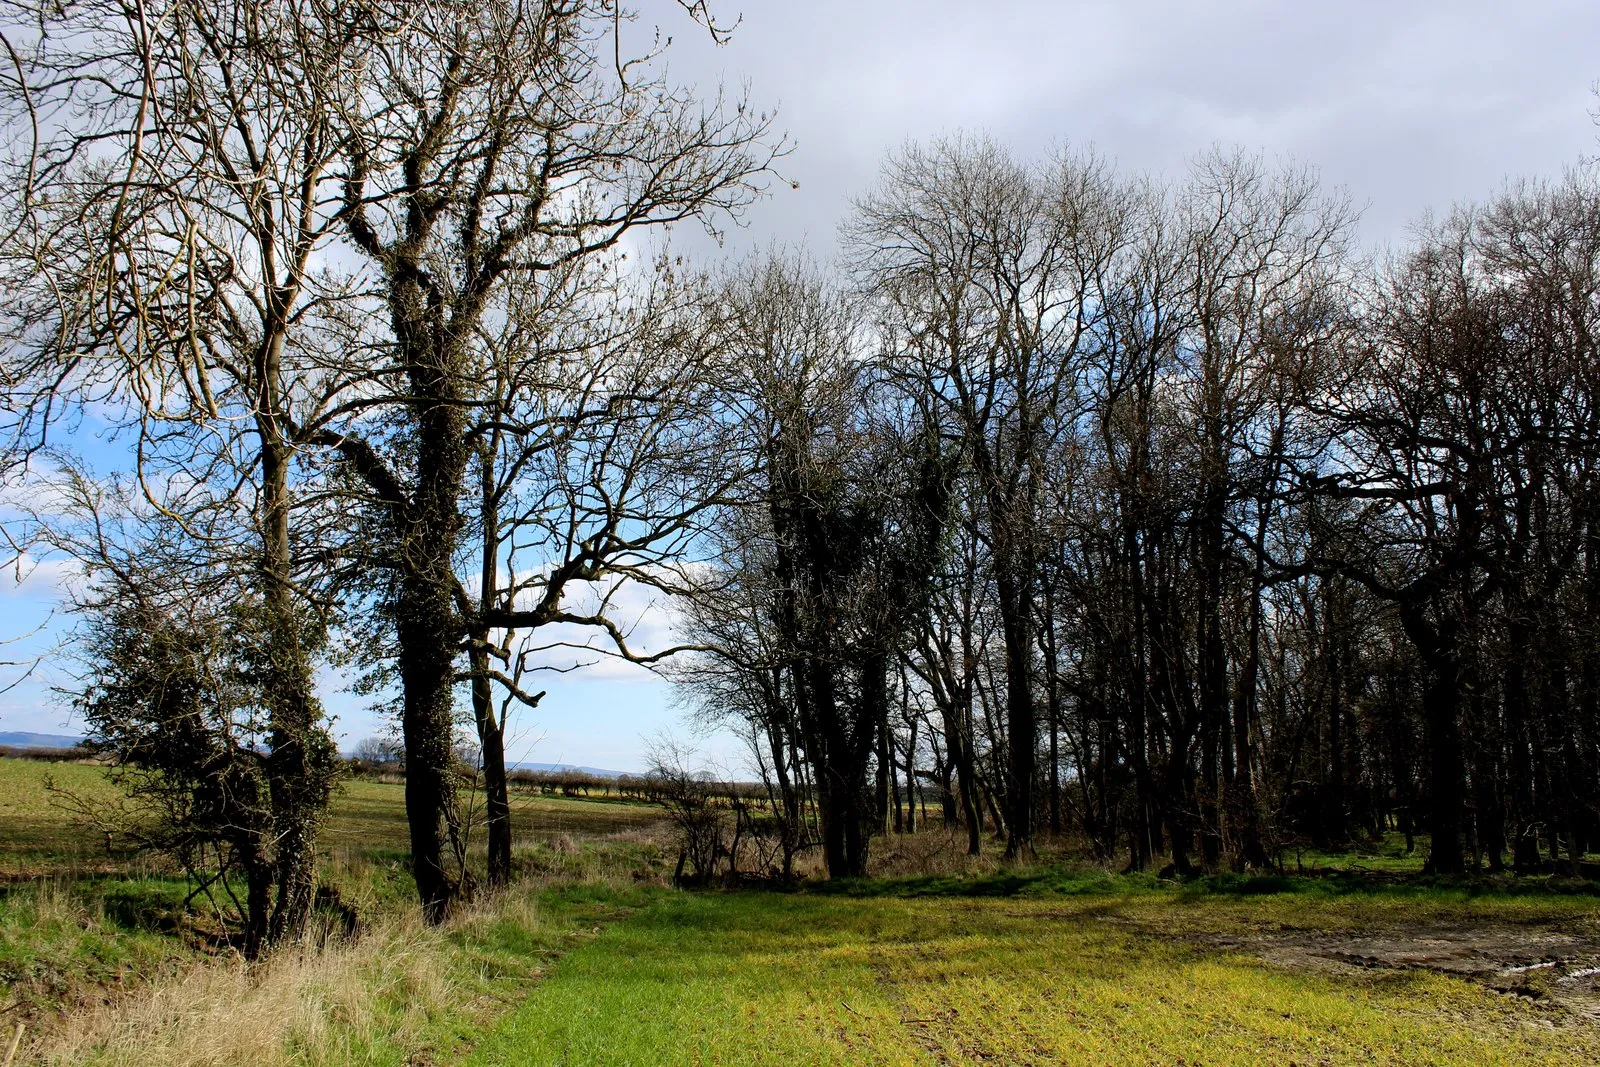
point(1408, 106)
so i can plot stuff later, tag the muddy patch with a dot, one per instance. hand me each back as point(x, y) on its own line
point(1551, 966)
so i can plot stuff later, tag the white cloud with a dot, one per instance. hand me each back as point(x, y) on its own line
point(641, 612)
point(35, 578)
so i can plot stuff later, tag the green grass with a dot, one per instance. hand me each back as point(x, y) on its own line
point(81, 923)
point(78, 922)
point(1387, 855)
point(427, 996)
point(591, 961)
point(37, 836)
point(63, 945)
point(503, 955)
point(1045, 969)
point(402, 994)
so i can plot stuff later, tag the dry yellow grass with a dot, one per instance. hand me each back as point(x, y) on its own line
point(309, 1007)
point(100, 961)
point(402, 992)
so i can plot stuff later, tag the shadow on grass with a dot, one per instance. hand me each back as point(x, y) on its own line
point(1049, 881)
point(125, 904)
point(1347, 883)
point(1044, 881)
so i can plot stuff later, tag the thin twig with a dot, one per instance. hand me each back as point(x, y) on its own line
point(16, 1043)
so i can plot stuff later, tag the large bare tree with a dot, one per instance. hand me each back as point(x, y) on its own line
point(489, 145)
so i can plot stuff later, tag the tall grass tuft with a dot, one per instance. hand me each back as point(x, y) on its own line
point(400, 992)
point(346, 1003)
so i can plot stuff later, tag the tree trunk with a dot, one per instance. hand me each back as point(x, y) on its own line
point(492, 749)
point(913, 790)
point(491, 731)
point(1213, 658)
point(1022, 729)
point(1052, 707)
point(1242, 808)
point(427, 624)
point(258, 877)
point(427, 675)
point(1441, 701)
point(301, 763)
point(886, 794)
point(788, 795)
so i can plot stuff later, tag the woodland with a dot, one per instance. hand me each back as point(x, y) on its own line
point(1149, 516)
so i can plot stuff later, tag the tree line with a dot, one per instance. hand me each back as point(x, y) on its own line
point(1156, 513)
point(1151, 511)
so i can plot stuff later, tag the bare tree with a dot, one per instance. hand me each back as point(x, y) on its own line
point(494, 144)
point(167, 212)
point(747, 683)
point(1264, 302)
point(986, 266)
point(832, 542)
point(602, 449)
point(1469, 429)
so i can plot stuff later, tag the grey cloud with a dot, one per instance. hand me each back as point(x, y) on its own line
point(1409, 105)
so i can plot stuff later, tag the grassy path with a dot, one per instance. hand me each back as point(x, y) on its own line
point(1097, 975)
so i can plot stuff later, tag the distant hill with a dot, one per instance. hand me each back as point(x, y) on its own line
point(23, 739)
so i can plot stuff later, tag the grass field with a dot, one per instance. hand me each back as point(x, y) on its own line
point(94, 939)
point(592, 959)
point(1085, 971)
point(38, 837)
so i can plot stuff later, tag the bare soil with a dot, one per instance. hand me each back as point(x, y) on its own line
point(1547, 964)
